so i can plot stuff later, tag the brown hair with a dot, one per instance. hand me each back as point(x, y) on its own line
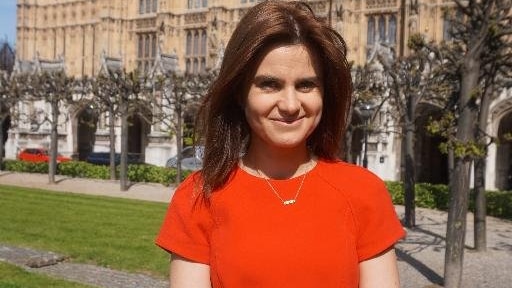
point(222, 123)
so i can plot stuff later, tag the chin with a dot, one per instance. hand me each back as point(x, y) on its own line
point(289, 144)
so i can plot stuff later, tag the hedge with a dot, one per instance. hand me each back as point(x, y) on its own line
point(433, 196)
point(80, 169)
point(436, 196)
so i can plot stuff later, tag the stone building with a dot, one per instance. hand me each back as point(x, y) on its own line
point(194, 32)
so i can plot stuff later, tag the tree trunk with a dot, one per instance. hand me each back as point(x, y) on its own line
point(410, 175)
point(409, 181)
point(480, 233)
point(54, 138)
point(456, 226)
point(112, 136)
point(179, 136)
point(123, 173)
point(2, 142)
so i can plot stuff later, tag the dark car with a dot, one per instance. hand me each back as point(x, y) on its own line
point(103, 158)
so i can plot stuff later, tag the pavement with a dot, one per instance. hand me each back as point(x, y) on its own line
point(420, 254)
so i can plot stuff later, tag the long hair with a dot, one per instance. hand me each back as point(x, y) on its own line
point(222, 123)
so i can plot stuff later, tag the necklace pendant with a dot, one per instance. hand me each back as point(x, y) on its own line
point(289, 202)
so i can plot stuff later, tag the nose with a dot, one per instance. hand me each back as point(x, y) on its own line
point(289, 103)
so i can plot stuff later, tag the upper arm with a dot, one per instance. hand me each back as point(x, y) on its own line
point(188, 274)
point(380, 271)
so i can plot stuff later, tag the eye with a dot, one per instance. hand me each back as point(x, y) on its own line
point(306, 86)
point(268, 85)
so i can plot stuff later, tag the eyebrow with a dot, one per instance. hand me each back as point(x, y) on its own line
point(260, 78)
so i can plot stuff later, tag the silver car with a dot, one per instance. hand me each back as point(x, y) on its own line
point(192, 158)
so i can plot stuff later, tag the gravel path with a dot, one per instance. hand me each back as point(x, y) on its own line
point(55, 265)
point(420, 255)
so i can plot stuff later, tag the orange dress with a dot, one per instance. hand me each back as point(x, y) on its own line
point(342, 216)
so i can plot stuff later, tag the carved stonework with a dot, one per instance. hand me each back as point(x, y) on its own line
point(372, 4)
point(145, 23)
point(195, 18)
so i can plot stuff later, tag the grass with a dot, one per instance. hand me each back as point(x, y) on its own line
point(111, 232)
point(15, 277)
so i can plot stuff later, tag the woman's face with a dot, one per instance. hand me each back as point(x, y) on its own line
point(284, 101)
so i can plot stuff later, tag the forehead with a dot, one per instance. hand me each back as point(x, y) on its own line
point(289, 59)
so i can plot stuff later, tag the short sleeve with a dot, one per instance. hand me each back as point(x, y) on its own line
point(186, 228)
point(378, 227)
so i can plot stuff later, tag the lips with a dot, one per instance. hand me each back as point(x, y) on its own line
point(288, 120)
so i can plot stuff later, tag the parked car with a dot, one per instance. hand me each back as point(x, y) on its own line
point(192, 158)
point(39, 155)
point(103, 158)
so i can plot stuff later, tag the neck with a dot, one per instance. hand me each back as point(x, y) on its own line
point(278, 163)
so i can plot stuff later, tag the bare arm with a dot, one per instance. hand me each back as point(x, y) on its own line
point(380, 271)
point(187, 274)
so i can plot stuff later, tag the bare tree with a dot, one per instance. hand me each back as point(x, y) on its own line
point(368, 98)
point(410, 82)
point(179, 92)
point(130, 101)
point(10, 95)
point(106, 100)
point(56, 90)
point(481, 24)
point(496, 72)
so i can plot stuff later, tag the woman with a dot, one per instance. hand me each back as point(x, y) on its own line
point(286, 213)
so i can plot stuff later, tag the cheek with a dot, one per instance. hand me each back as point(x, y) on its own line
point(317, 108)
point(317, 105)
point(251, 115)
point(256, 107)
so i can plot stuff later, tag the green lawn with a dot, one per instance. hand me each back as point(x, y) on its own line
point(15, 277)
point(111, 232)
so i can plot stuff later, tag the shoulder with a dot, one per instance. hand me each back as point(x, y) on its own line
point(344, 175)
point(189, 191)
point(359, 186)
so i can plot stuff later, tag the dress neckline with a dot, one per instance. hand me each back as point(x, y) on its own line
point(314, 167)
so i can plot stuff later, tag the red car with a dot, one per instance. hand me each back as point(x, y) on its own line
point(39, 155)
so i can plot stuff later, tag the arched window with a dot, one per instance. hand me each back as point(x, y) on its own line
point(382, 28)
point(203, 42)
point(371, 31)
point(195, 69)
point(153, 46)
point(148, 6)
point(203, 65)
point(141, 7)
point(187, 69)
point(189, 43)
point(146, 46)
point(392, 30)
point(140, 52)
point(155, 5)
point(205, 3)
point(196, 43)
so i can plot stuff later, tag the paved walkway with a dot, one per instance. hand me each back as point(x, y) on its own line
point(421, 254)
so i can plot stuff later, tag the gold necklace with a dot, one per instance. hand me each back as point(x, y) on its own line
point(294, 199)
point(289, 201)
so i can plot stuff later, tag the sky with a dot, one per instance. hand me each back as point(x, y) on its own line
point(8, 20)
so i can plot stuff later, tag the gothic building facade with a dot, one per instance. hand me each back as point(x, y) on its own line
point(83, 33)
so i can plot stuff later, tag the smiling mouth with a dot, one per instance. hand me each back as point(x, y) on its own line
point(289, 121)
